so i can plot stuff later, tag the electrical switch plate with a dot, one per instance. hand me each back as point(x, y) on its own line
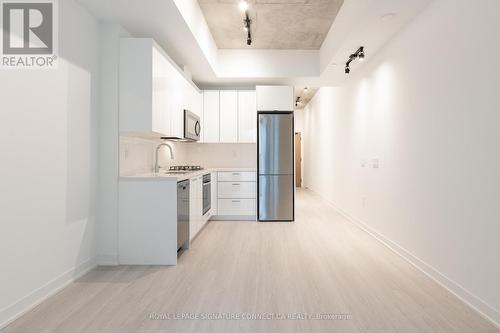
point(375, 163)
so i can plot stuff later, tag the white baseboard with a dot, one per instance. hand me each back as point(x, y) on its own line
point(28, 302)
point(477, 304)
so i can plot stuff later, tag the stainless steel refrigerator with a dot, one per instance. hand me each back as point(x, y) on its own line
point(275, 167)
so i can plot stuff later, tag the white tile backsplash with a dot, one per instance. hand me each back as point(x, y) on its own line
point(222, 155)
point(137, 155)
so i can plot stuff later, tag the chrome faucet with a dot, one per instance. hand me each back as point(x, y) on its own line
point(157, 165)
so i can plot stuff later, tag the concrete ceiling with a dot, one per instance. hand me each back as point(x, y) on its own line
point(180, 28)
point(276, 24)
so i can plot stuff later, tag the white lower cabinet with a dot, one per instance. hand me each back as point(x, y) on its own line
point(237, 190)
point(195, 205)
point(147, 218)
point(236, 195)
point(236, 207)
point(213, 198)
point(233, 197)
point(235, 176)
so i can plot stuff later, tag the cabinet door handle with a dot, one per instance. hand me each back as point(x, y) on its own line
point(236, 184)
point(236, 173)
point(235, 201)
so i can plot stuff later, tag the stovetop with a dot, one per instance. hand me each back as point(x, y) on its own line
point(185, 168)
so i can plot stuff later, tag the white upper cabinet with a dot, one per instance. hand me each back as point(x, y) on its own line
point(162, 93)
point(178, 99)
point(153, 91)
point(210, 128)
point(247, 116)
point(228, 116)
point(197, 103)
point(275, 98)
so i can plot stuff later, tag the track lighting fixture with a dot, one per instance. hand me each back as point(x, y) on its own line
point(359, 54)
point(244, 5)
point(247, 22)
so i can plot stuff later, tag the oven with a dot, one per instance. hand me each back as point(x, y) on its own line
point(207, 193)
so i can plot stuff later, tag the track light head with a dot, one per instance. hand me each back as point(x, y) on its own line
point(249, 41)
point(361, 53)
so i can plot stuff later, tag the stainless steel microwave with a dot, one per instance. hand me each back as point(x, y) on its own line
point(192, 128)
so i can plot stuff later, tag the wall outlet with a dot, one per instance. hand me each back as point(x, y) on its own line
point(375, 163)
point(363, 163)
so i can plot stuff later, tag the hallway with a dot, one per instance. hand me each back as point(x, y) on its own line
point(321, 264)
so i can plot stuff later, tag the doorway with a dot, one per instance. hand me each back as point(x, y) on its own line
point(298, 159)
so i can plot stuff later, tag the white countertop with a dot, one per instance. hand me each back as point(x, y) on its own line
point(162, 176)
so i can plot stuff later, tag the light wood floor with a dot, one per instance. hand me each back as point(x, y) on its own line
point(319, 264)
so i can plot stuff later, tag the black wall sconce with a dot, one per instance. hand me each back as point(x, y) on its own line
point(359, 54)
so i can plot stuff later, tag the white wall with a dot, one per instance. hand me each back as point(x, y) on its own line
point(48, 145)
point(299, 120)
point(427, 107)
point(259, 63)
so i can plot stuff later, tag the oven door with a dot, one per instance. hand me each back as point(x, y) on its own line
point(192, 126)
point(207, 193)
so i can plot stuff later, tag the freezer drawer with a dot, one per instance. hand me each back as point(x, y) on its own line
point(236, 207)
point(237, 190)
point(276, 194)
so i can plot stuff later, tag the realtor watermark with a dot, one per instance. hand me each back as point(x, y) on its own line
point(248, 316)
point(29, 38)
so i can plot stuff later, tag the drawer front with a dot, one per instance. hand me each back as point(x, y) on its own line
point(242, 176)
point(236, 207)
point(237, 190)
